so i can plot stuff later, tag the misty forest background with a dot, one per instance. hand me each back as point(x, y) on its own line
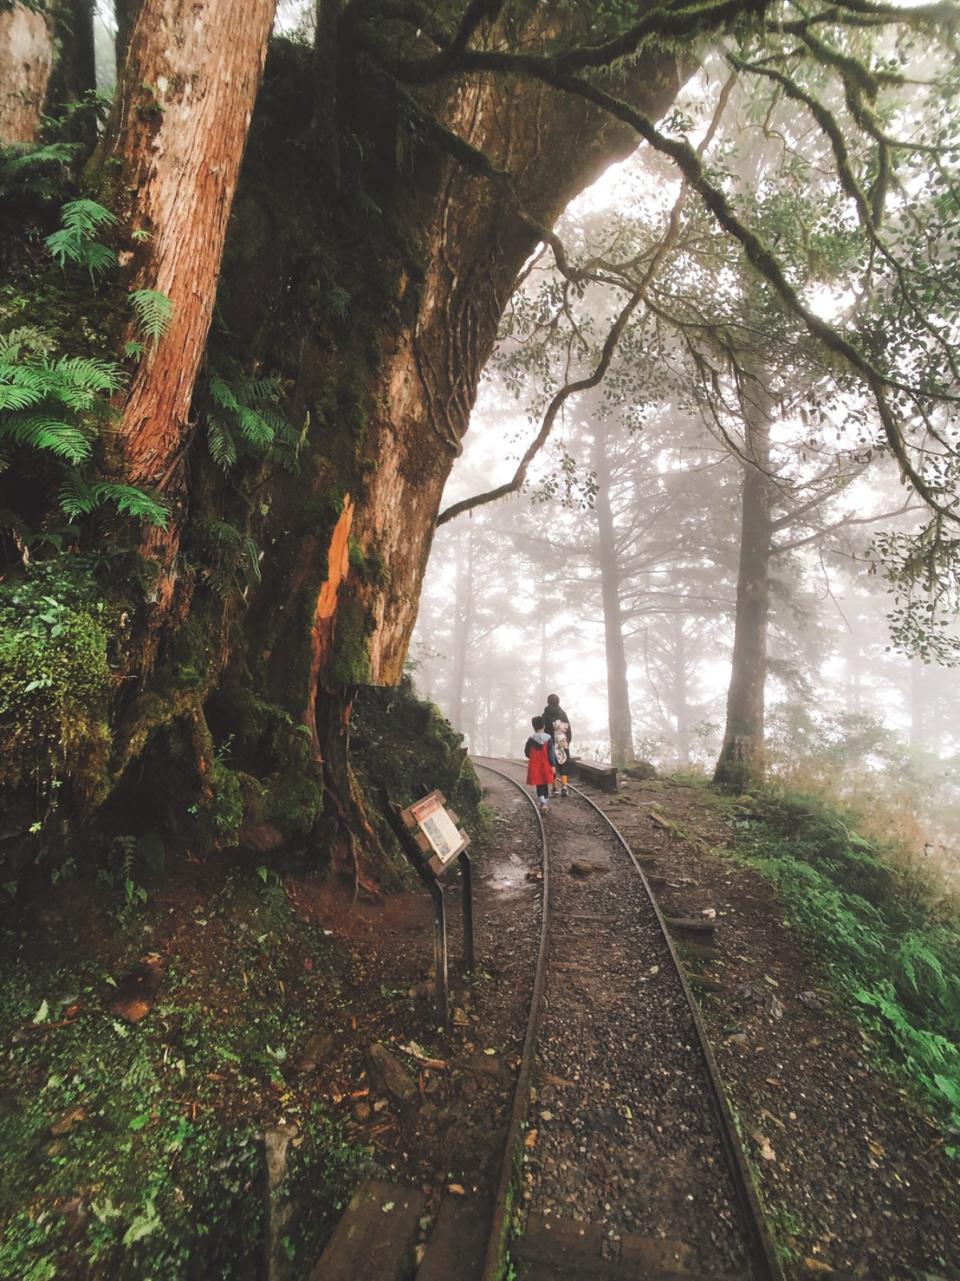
point(369, 363)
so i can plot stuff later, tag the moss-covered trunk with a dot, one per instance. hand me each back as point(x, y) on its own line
point(365, 275)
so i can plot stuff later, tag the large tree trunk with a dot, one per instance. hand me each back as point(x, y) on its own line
point(400, 409)
point(46, 61)
point(367, 271)
point(618, 688)
point(171, 158)
point(26, 64)
point(741, 764)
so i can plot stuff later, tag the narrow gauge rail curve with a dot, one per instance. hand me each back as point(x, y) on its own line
point(634, 1168)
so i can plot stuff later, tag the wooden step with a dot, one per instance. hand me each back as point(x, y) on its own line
point(458, 1242)
point(375, 1237)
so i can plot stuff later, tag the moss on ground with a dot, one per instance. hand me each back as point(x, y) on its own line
point(404, 745)
point(134, 1150)
point(55, 679)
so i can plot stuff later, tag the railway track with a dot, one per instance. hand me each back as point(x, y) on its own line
point(622, 1158)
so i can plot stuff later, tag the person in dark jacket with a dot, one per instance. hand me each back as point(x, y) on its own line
point(557, 724)
point(541, 761)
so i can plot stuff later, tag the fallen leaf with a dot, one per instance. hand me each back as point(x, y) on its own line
point(65, 1123)
point(387, 1206)
point(531, 1140)
point(457, 1189)
point(763, 1143)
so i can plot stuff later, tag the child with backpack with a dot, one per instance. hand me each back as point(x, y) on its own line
point(557, 724)
point(541, 761)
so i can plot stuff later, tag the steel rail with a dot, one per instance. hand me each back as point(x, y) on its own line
point(764, 1255)
point(499, 1226)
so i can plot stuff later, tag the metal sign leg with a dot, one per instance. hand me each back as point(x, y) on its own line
point(440, 952)
point(466, 874)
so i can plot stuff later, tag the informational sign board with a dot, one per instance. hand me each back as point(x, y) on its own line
point(436, 831)
point(430, 835)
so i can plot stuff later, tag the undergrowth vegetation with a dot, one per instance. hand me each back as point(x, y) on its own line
point(888, 935)
point(135, 1149)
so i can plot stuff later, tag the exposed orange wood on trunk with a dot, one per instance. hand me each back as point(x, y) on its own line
point(179, 129)
point(325, 611)
point(26, 62)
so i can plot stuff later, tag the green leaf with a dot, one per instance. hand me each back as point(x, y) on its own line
point(142, 1226)
point(154, 312)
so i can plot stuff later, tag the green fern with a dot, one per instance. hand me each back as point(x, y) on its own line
point(244, 415)
point(75, 241)
point(229, 558)
point(80, 496)
point(154, 312)
point(42, 432)
point(222, 446)
point(914, 955)
point(40, 171)
point(56, 408)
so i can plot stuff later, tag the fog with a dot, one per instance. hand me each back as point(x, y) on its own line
point(513, 603)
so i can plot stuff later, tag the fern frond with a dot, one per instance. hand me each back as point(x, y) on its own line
point(79, 497)
point(223, 449)
point(266, 390)
point(154, 312)
point(76, 497)
point(915, 957)
point(20, 388)
point(96, 257)
point(40, 431)
point(86, 216)
point(25, 338)
point(253, 558)
point(73, 242)
point(222, 394)
point(133, 501)
point(254, 427)
point(53, 153)
point(91, 373)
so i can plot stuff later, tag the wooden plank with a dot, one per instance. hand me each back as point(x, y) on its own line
point(458, 1242)
point(375, 1237)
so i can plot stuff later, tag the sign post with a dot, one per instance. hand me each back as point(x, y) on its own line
point(431, 836)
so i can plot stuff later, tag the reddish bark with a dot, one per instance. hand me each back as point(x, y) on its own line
point(178, 131)
point(26, 63)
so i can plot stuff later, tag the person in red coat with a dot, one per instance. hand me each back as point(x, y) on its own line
point(541, 761)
